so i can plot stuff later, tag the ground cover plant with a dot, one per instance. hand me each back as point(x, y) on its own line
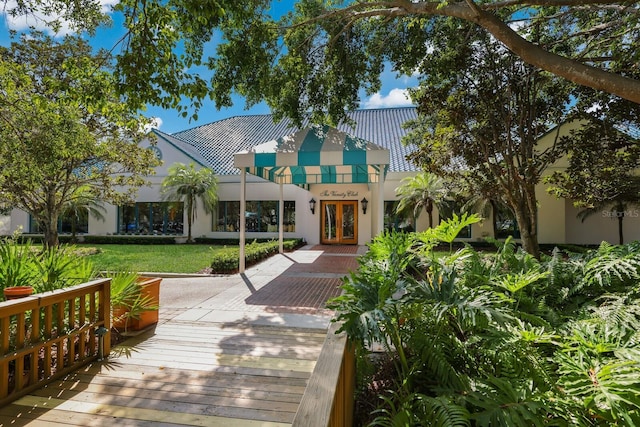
point(478, 339)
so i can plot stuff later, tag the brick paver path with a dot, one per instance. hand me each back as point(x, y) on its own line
point(305, 287)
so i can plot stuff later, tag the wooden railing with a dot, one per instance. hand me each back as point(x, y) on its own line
point(45, 336)
point(329, 396)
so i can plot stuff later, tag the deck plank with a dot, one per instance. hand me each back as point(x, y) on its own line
point(183, 373)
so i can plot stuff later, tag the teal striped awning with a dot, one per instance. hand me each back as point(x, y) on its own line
point(316, 155)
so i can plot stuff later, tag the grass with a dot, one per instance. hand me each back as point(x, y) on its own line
point(153, 258)
point(190, 258)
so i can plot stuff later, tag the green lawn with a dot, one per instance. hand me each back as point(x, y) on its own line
point(153, 258)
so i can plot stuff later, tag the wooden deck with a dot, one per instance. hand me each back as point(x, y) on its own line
point(231, 359)
point(184, 373)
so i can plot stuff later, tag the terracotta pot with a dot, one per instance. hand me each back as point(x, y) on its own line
point(151, 289)
point(15, 292)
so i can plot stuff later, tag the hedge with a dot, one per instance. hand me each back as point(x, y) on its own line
point(130, 240)
point(230, 241)
point(227, 260)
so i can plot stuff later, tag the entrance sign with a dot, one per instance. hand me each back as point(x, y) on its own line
point(343, 194)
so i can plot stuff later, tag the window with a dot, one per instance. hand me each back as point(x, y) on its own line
point(260, 216)
point(506, 224)
point(446, 211)
point(65, 224)
point(395, 221)
point(151, 218)
point(228, 218)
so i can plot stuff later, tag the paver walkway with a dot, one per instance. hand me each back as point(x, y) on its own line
point(228, 350)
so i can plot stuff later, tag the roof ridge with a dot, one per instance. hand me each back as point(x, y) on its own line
point(237, 116)
point(240, 116)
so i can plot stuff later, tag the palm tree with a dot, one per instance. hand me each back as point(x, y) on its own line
point(188, 184)
point(627, 196)
point(82, 204)
point(619, 209)
point(423, 190)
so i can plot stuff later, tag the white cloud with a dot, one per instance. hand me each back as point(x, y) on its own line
point(155, 123)
point(396, 98)
point(38, 20)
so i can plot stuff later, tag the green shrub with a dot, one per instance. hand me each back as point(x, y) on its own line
point(39, 238)
point(227, 260)
point(131, 240)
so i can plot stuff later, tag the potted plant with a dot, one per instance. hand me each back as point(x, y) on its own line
point(134, 301)
point(15, 292)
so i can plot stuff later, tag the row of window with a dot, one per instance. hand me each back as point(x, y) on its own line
point(65, 225)
point(151, 218)
point(260, 216)
point(168, 218)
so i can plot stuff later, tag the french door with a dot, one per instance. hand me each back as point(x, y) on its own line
point(339, 222)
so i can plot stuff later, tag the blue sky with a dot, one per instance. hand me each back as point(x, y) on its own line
point(392, 93)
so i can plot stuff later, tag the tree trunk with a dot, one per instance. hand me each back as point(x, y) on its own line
point(189, 206)
point(429, 209)
point(528, 234)
point(620, 230)
point(73, 228)
point(50, 231)
point(494, 212)
point(525, 208)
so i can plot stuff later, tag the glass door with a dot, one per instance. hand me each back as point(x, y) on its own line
point(339, 222)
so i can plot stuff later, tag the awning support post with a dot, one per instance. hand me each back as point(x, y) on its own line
point(380, 200)
point(281, 220)
point(243, 207)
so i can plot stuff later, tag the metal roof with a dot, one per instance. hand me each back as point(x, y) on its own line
point(185, 148)
point(217, 142)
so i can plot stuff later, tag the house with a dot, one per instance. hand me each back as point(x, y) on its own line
point(337, 185)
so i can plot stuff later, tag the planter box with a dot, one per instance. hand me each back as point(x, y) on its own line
point(151, 289)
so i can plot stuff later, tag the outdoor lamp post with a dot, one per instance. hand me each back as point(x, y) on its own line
point(312, 205)
point(365, 203)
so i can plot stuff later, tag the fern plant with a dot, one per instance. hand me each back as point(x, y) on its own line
point(612, 266)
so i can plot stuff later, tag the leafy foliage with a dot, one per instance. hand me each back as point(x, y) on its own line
point(17, 264)
point(462, 136)
point(22, 264)
point(59, 267)
point(319, 58)
point(85, 135)
point(497, 339)
point(127, 299)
